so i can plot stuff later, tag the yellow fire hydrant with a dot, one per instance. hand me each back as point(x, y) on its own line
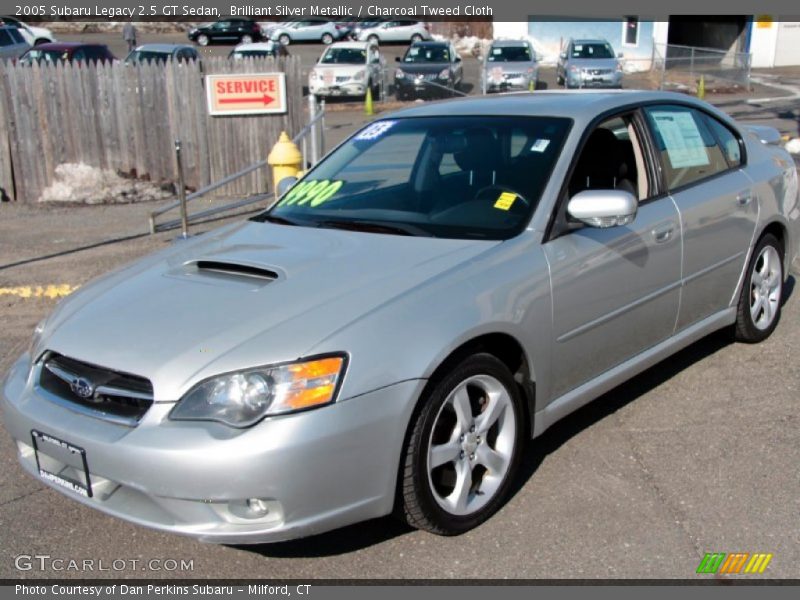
point(285, 159)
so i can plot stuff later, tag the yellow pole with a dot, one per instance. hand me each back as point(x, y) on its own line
point(368, 109)
point(531, 85)
point(701, 88)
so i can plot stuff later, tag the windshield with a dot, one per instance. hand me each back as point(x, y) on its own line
point(344, 56)
point(427, 54)
point(510, 54)
point(45, 55)
point(592, 51)
point(454, 177)
point(142, 56)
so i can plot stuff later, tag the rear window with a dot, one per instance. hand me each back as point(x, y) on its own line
point(5, 39)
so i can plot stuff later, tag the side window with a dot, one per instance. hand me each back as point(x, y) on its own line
point(731, 145)
point(5, 39)
point(687, 148)
point(16, 36)
point(79, 54)
point(612, 159)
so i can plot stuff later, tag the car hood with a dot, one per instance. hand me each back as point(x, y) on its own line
point(506, 67)
point(594, 63)
point(166, 319)
point(340, 69)
point(422, 68)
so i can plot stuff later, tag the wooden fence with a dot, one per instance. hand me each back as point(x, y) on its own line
point(127, 118)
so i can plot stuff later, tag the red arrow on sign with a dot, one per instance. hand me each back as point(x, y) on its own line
point(266, 99)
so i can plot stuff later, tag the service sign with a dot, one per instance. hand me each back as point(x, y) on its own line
point(246, 94)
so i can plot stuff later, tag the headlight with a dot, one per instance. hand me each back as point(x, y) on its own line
point(574, 69)
point(359, 75)
point(444, 74)
point(36, 340)
point(243, 398)
point(312, 74)
point(399, 74)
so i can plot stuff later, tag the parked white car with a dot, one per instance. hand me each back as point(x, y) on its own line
point(396, 31)
point(31, 34)
point(12, 45)
point(347, 69)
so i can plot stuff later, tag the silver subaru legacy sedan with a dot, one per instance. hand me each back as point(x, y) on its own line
point(445, 285)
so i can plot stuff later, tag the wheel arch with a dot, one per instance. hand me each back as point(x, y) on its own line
point(506, 348)
point(780, 231)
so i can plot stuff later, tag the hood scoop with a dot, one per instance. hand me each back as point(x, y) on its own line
point(226, 272)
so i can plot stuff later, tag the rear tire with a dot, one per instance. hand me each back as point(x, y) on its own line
point(759, 308)
point(416, 38)
point(463, 449)
point(202, 40)
point(247, 39)
point(327, 39)
point(284, 40)
point(373, 39)
point(41, 41)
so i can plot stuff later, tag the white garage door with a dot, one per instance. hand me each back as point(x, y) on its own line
point(787, 50)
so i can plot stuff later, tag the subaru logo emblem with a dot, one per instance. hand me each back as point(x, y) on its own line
point(82, 388)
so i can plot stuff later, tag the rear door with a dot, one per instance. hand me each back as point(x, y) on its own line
point(700, 160)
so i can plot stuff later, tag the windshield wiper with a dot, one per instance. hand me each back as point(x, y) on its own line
point(276, 219)
point(374, 227)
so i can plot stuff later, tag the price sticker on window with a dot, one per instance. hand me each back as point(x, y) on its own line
point(505, 201)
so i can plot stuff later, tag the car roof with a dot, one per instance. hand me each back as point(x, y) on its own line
point(61, 46)
point(508, 43)
point(257, 46)
point(165, 48)
point(580, 105)
point(354, 45)
point(431, 44)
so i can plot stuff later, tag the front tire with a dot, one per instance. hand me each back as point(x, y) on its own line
point(284, 40)
point(416, 38)
point(327, 39)
point(202, 40)
point(759, 308)
point(373, 39)
point(463, 449)
point(41, 41)
point(247, 39)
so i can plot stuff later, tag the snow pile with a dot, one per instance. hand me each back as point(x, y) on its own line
point(77, 182)
point(793, 146)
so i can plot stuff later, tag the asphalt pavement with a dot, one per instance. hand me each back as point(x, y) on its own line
point(699, 454)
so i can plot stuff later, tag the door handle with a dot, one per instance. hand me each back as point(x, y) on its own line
point(744, 198)
point(663, 234)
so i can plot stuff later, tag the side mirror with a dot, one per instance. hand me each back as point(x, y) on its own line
point(563, 56)
point(397, 59)
point(284, 185)
point(458, 58)
point(603, 208)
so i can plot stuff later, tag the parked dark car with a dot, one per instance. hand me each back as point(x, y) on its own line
point(428, 68)
point(68, 51)
point(227, 31)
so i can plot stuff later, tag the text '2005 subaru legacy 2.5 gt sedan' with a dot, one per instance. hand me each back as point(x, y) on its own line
point(446, 284)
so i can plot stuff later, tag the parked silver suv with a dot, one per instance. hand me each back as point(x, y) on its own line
point(589, 63)
point(509, 65)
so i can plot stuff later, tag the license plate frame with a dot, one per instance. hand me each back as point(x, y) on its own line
point(39, 441)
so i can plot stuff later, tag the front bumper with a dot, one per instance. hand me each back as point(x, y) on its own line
point(316, 470)
point(510, 85)
point(584, 80)
point(420, 86)
point(350, 88)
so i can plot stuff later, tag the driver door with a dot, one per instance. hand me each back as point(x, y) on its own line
point(615, 291)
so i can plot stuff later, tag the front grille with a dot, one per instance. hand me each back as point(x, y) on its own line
point(114, 395)
point(598, 71)
point(342, 78)
point(509, 75)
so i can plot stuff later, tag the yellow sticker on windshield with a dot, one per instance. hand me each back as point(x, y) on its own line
point(505, 200)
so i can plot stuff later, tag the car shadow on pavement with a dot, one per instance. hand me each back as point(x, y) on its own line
point(368, 533)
